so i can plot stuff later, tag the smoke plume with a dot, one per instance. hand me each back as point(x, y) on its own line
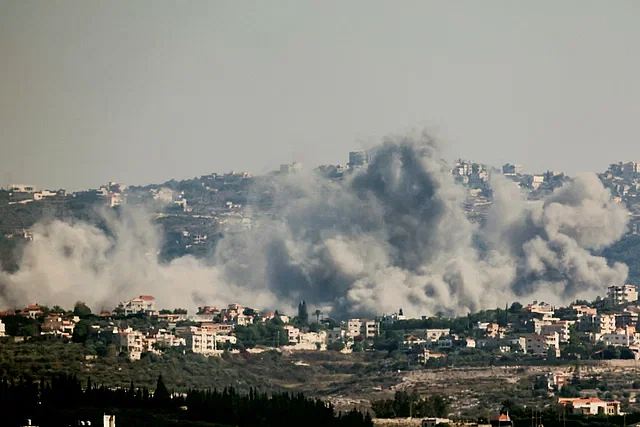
point(393, 235)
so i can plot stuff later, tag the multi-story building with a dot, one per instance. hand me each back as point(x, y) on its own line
point(144, 304)
point(621, 337)
point(292, 333)
point(131, 341)
point(606, 323)
point(584, 313)
point(2, 329)
point(367, 329)
point(561, 327)
point(626, 318)
point(622, 294)
point(541, 344)
point(203, 342)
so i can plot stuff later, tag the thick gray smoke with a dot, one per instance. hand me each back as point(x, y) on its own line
point(393, 235)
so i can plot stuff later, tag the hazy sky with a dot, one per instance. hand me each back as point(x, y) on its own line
point(145, 91)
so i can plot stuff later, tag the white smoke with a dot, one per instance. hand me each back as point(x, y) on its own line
point(391, 236)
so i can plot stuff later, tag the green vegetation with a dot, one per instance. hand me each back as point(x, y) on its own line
point(405, 405)
point(36, 358)
point(65, 400)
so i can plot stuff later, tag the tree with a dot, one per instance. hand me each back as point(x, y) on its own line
point(81, 309)
point(626, 353)
point(336, 346)
point(516, 307)
point(81, 331)
point(303, 313)
point(574, 337)
point(161, 395)
point(57, 309)
point(318, 313)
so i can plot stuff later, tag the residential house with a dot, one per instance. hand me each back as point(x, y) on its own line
point(621, 337)
point(541, 344)
point(218, 328)
point(412, 342)
point(561, 327)
point(434, 335)
point(590, 406)
point(367, 329)
point(144, 304)
point(540, 308)
point(56, 325)
point(426, 355)
point(628, 317)
point(292, 333)
point(31, 311)
point(605, 323)
point(283, 318)
point(131, 341)
point(309, 341)
point(622, 294)
point(206, 313)
point(164, 337)
point(487, 343)
point(446, 341)
point(501, 420)
point(204, 342)
point(243, 320)
point(585, 313)
point(171, 317)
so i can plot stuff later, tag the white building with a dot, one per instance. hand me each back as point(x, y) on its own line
point(144, 304)
point(435, 334)
point(203, 342)
point(621, 337)
point(310, 341)
point(22, 188)
point(537, 181)
point(2, 329)
point(622, 294)
point(133, 342)
point(590, 406)
point(367, 329)
point(292, 333)
point(606, 323)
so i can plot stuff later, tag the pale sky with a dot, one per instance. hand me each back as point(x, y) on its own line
point(146, 91)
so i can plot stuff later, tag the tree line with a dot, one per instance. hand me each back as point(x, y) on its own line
point(64, 400)
point(406, 404)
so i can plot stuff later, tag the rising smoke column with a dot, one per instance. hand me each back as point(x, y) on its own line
point(551, 241)
point(392, 235)
point(76, 261)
